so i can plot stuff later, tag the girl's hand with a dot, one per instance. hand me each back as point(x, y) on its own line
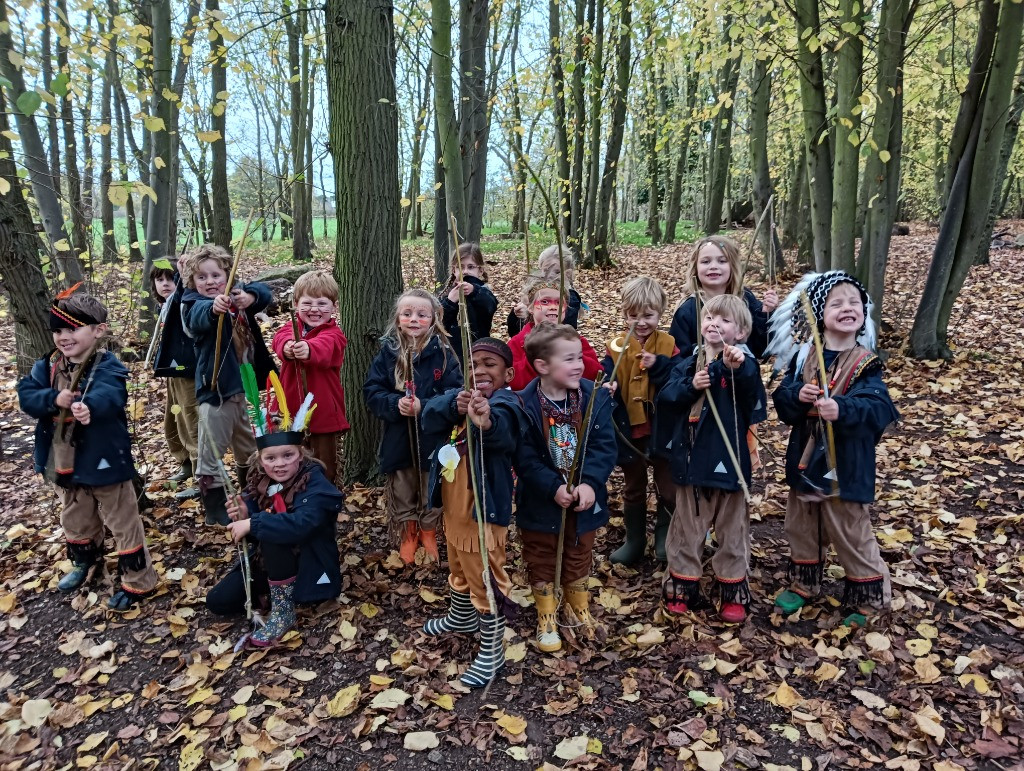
point(732, 356)
point(467, 288)
point(480, 411)
point(300, 350)
point(409, 406)
point(242, 300)
point(828, 409)
point(770, 301)
point(81, 413)
point(237, 510)
point(462, 402)
point(239, 529)
point(585, 495)
point(647, 360)
point(66, 398)
point(221, 304)
point(521, 311)
point(701, 380)
point(453, 295)
point(809, 393)
point(563, 497)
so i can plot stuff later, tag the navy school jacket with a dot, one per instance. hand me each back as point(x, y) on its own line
point(309, 525)
point(705, 461)
point(684, 326)
point(201, 324)
point(480, 307)
point(865, 410)
point(103, 449)
point(539, 478)
point(175, 354)
point(440, 416)
point(435, 371)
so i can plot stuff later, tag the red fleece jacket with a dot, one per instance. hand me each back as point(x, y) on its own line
point(524, 369)
point(323, 375)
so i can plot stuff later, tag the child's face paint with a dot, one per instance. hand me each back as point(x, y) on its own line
point(844, 310)
point(314, 311)
point(545, 307)
point(490, 372)
point(647, 321)
point(281, 463)
point(75, 344)
point(564, 367)
point(470, 268)
point(719, 329)
point(164, 286)
point(713, 271)
point(210, 278)
point(415, 316)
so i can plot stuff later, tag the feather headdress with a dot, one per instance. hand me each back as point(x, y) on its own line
point(789, 331)
point(285, 428)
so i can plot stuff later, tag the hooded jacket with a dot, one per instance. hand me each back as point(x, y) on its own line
point(684, 325)
point(323, 375)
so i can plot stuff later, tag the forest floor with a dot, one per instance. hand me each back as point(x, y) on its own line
point(935, 685)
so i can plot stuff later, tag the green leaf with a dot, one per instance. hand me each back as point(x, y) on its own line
point(59, 86)
point(884, 155)
point(28, 103)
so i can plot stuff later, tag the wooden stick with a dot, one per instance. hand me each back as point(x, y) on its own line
point(227, 291)
point(830, 437)
point(88, 363)
point(753, 236)
point(296, 338)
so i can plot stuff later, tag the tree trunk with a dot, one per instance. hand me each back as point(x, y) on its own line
point(721, 136)
point(850, 56)
point(444, 109)
point(577, 125)
point(221, 226)
point(473, 46)
point(35, 161)
point(20, 268)
point(562, 168)
point(882, 170)
point(760, 106)
point(360, 58)
point(520, 221)
point(441, 224)
point(594, 137)
point(615, 132)
point(67, 119)
point(675, 195)
point(960, 236)
point(298, 61)
point(411, 213)
point(107, 154)
point(134, 250)
point(815, 123)
point(46, 62)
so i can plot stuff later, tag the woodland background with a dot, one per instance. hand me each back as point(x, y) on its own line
point(344, 136)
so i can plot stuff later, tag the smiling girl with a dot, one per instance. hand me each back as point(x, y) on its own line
point(468, 263)
point(415, 362)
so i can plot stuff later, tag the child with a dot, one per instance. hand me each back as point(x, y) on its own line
point(494, 413)
point(223, 416)
point(715, 269)
point(553, 431)
point(175, 359)
point(289, 510)
point(83, 445)
point(480, 300)
point(542, 294)
point(415, 363)
point(317, 357)
point(549, 266)
point(832, 505)
point(709, 493)
point(643, 303)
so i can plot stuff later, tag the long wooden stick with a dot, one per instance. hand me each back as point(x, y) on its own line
point(558, 234)
point(819, 349)
point(753, 236)
point(88, 364)
point(301, 367)
point(227, 291)
point(479, 496)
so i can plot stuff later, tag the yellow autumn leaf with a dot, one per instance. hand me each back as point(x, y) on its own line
point(237, 712)
point(369, 610)
point(444, 701)
point(153, 123)
point(979, 682)
point(345, 701)
point(92, 741)
point(919, 646)
point(428, 596)
point(208, 136)
point(785, 696)
point(5, 186)
point(512, 723)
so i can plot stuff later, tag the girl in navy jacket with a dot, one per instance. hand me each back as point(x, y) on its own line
point(480, 300)
point(416, 362)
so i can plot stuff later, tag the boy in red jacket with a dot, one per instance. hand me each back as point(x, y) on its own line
point(317, 356)
point(542, 297)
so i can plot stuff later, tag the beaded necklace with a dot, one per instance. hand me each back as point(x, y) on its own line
point(561, 424)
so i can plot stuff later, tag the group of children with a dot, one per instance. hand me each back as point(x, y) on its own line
point(539, 421)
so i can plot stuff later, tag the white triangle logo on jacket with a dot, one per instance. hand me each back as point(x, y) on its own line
point(323, 580)
point(103, 464)
point(720, 468)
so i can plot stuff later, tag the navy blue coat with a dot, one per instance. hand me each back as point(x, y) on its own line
point(201, 324)
point(175, 354)
point(103, 449)
point(539, 478)
point(865, 410)
point(572, 315)
point(480, 307)
point(440, 416)
point(705, 461)
point(684, 326)
point(435, 370)
point(309, 525)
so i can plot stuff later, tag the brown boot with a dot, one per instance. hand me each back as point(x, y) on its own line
point(547, 618)
point(577, 597)
point(410, 542)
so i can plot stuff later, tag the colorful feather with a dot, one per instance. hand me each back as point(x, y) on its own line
point(252, 398)
point(282, 400)
point(302, 414)
point(68, 292)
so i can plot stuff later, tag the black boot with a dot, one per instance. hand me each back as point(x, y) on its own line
point(632, 551)
point(215, 505)
point(184, 473)
point(661, 528)
point(491, 658)
point(82, 555)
